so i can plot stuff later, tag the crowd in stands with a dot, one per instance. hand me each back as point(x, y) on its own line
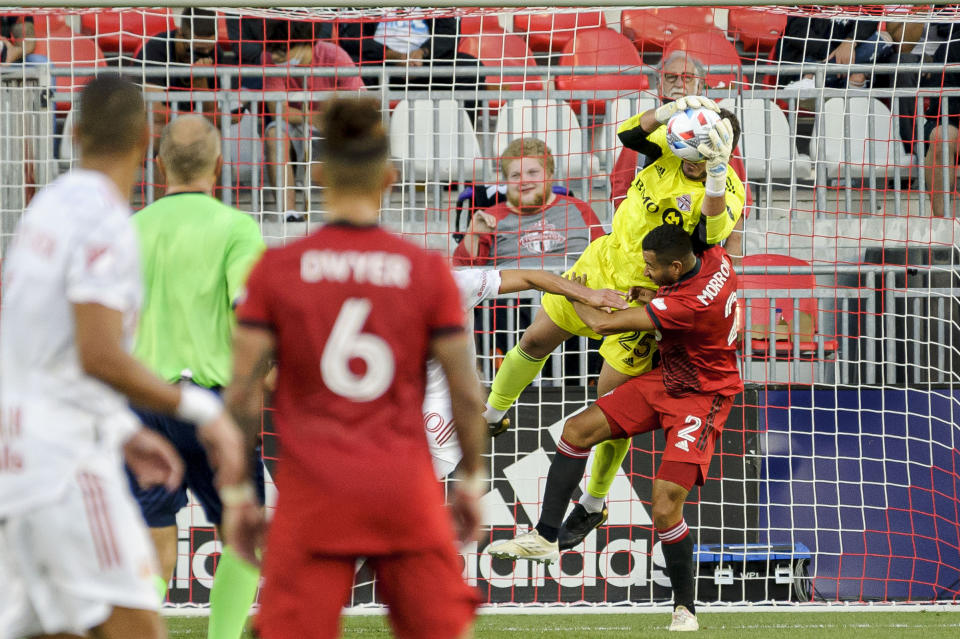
point(284, 133)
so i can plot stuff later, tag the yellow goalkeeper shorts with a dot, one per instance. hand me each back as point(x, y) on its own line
point(629, 353)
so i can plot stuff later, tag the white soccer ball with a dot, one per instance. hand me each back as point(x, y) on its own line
point(688, 129)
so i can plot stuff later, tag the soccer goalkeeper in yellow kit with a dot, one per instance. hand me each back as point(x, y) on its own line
point(706, 198)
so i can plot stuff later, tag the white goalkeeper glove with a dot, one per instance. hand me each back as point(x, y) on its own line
point(717, 153)
point(665, 112)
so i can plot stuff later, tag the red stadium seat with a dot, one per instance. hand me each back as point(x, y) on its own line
point(65, 50)
point(757, 29)
point(596, 48)
point(711, 48)
point(123, 31)
point(651, 29)
point(552, 31)
point(502, 50)
point(471, 25)
point(45, 23)
point(760, 308)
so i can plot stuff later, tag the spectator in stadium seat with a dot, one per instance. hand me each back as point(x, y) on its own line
point(412, 43)
point(21, 44)
point(192, 44)
point(535, 227)
point(835, 40)
point(294, 131)
point(680, 75)
point(940, 133)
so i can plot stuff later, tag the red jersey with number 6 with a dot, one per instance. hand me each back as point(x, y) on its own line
point(697, 322)
point(353, 310)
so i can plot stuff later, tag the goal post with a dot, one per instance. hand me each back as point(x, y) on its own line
point(837, 477)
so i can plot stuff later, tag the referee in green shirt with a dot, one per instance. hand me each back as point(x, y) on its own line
point(196, 253)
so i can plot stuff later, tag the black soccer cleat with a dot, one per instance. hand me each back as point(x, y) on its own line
point(578, 525)
point(499, 427)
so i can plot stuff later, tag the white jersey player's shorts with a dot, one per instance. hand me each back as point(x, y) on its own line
point(441, 435)
point(67, 563)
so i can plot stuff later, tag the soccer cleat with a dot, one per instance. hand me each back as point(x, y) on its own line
point(684, 620)
point(578, 525)
point(499, 427)
point(530, 546)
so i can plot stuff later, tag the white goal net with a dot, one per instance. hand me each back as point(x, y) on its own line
point(837, 478)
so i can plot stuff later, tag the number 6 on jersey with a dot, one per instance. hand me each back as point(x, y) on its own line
point(346, 342)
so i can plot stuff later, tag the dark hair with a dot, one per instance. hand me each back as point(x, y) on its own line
point(356, 146)
point(669, 242)
point(112, 117)
point(734, 122)
point(199, 22)
point(281, 34)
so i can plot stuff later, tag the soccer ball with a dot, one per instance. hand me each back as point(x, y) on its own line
point(688, 129)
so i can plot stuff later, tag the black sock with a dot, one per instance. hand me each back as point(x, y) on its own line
point(566, 471)
point(679, 559)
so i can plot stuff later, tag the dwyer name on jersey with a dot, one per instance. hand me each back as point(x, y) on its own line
point(376, 268)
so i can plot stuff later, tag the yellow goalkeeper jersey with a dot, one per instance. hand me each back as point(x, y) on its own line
point(661, 194)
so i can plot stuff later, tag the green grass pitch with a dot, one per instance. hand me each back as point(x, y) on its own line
point(732, 625)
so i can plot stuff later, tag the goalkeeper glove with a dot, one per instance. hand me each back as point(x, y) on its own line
point(717, 153)
point(666, 111)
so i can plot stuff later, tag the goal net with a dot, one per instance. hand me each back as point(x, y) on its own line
point(837, 476)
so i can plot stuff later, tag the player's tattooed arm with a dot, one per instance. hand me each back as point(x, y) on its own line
point(574, 288)
point(631, 319)
point(253, 352)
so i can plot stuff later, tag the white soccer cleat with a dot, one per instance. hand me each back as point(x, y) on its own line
point(684, 620)
point(530, 546)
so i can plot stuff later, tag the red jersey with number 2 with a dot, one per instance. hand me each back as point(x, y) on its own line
point(353, 310)
point(696, 320)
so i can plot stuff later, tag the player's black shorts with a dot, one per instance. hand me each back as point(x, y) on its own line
point(160, 507)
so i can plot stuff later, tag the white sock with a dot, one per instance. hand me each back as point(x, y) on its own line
point(492, 415)
point(591, 504)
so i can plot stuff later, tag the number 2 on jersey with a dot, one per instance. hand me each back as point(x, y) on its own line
point(346, 342)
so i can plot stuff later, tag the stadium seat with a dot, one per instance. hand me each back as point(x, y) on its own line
point(44, 24)
point(651, 29)
point(552, 31)
point(606, 142)
point(857, 134)
point(760, 309)
point(435, 141)
point(758, 30)
point(65, 50)
point(712, 48)
point(123, 31)
point(471, 25)
point(597, 48)
point(766, 144)
point(552, 121)
point(499, 49)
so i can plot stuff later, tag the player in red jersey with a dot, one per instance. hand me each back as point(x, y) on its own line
point(351, 313)
point(690, 395)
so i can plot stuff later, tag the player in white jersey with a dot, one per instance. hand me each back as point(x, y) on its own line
point(74, 552)
point(477, 285)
